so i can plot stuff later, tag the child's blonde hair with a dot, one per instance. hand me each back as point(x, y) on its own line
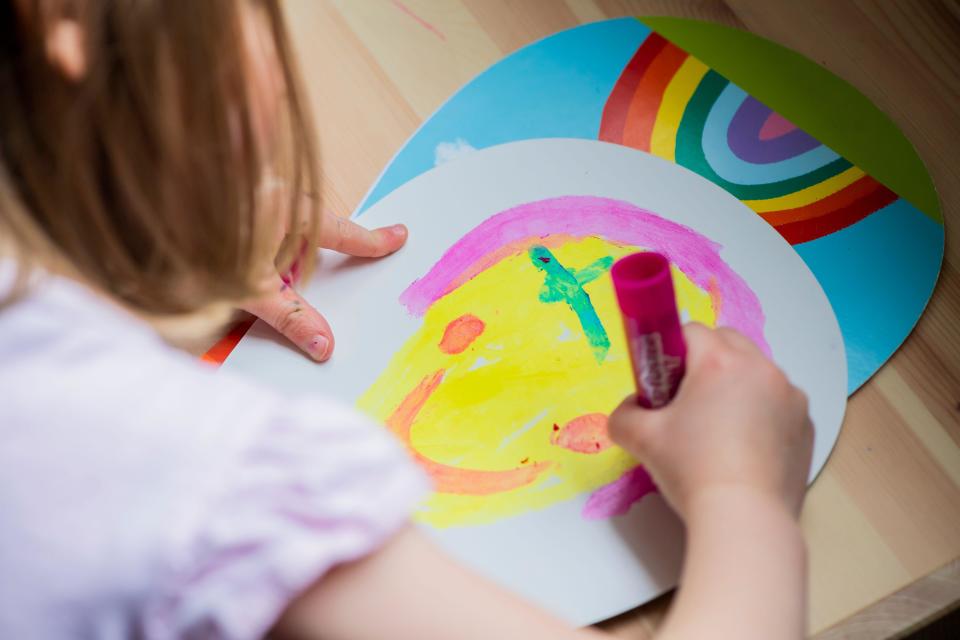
point(143, 176)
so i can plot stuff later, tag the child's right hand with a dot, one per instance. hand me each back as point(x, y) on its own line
point(736, 422)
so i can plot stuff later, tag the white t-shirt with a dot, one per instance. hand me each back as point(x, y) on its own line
point(145, 495)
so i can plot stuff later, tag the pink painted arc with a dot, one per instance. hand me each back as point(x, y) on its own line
point(588, 216)
point(775, 126)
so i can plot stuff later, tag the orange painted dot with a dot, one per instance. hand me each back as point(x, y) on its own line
point(586, 434)
point(461, 333)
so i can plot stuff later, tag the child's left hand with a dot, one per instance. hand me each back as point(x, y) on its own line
point(286, 311)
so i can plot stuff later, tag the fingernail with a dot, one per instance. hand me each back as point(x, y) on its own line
point(398, 230)
point(319, 346)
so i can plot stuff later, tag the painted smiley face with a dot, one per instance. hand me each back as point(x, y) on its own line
point(502, 393)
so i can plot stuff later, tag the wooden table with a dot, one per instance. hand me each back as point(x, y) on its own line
point(883, 519)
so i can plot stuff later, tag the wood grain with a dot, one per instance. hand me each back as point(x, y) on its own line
point(885, 514)
point(903, 612)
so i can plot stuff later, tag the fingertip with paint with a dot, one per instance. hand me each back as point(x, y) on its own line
point(319, 348)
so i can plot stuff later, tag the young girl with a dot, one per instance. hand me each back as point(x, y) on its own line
point(156, 169)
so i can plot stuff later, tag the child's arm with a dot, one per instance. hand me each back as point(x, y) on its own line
point(410, 590)
point(730, 454)
point(745, 571)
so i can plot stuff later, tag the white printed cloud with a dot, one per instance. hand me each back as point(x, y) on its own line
point(447, 151)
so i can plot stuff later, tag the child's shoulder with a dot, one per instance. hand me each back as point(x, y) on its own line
point(149, 473)
point(87, 380)
point(77, 368)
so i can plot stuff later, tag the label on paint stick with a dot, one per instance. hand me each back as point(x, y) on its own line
point(658, 373)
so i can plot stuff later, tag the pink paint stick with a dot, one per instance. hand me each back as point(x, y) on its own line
point(644, 289)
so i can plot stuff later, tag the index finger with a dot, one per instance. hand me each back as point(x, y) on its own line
point(346, 236)
point(737, 340)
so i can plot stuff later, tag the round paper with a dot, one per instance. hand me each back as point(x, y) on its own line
point(491, 345)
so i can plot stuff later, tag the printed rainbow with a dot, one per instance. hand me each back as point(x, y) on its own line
point(669, 103)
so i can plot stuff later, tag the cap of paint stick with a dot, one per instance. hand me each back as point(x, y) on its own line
point(644, 288)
